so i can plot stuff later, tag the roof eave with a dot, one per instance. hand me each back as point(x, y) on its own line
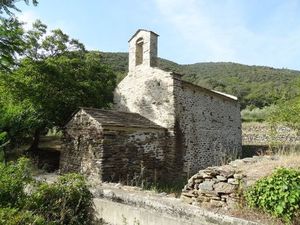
point(141, 30)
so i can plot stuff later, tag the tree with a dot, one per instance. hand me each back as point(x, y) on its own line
point(52, 81)
point(7, 6)
point(12, 42)
point(287, 113)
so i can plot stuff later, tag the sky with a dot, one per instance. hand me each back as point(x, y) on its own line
point(252, 32)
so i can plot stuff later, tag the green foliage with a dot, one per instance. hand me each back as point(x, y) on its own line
point(256, 86)
point(13, 216)
point(54, 77)
point(11, 42)
point(3, 143)
point(253, 85)
point(6, 6)
point(17, 121)
point(251, 114)
point(40, 45)
point(287, 113)
point(13, 179)
point(2, 156)
point(57, 86)
point(278, 194)
point(67, 201)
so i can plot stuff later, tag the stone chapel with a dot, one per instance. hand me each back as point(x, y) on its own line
point(161, 126)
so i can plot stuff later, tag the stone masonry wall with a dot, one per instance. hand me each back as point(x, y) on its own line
point(210, 124)
point(134, 156)
point(204, 126)
point(149, 49)
point(82, 146)
point(130, 155)
point(149, 92)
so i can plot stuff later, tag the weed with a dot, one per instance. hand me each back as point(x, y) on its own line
point(278, 194)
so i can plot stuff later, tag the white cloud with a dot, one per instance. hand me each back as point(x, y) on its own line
point(28, 18)
point(220, 31)
point(202, 30)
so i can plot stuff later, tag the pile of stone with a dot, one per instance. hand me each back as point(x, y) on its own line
point(220, 186)
point(213, 187)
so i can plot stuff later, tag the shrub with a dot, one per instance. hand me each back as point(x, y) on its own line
point(12, 216)
point(256, 114)
point(278, 194)
point(13, 179)
point(67, 201)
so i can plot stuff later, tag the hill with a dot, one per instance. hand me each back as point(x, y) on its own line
point(255, 86)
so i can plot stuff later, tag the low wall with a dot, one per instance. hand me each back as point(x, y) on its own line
point(219, 186)
point(120, 207)
point(213, 187)
point(262, 134)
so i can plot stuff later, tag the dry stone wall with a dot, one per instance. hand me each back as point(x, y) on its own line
point(262, 134)
point(220, 186)
point(214, 186)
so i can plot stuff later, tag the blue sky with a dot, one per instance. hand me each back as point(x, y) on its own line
point(253, 32)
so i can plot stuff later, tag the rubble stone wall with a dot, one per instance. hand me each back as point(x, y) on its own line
point(211, 127)
point(204, 126)
point(134, 156)
point(130, 155)
point(220, 186)
point(82, 146)
point(262, 134)
point(147, 91)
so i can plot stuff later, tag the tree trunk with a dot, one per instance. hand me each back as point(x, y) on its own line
point(35, 143)
point(3, 155)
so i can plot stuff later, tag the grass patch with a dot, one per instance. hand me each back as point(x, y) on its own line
point(174, 187)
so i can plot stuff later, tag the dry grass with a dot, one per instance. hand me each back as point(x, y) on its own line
point(255, 215)
point(265, 167)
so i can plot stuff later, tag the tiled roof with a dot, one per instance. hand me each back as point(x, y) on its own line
point(117, 118)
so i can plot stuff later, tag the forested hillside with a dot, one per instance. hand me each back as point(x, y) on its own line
point(256, 86)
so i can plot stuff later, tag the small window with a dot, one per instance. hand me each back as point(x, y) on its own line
point(139, 51)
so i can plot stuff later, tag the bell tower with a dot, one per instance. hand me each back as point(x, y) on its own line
point(143, 49)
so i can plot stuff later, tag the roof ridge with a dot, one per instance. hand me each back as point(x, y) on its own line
point(110, 110)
